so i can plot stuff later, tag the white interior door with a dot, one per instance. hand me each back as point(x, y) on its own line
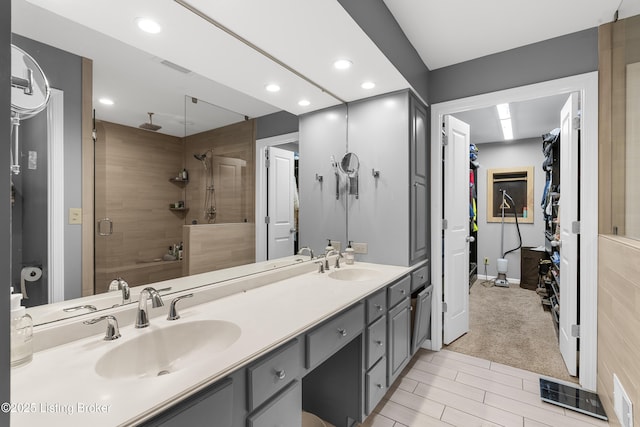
point(569, 189)
point(456, 233)
point(280, 190)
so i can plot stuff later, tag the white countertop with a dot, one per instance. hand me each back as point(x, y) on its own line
point(60, 386)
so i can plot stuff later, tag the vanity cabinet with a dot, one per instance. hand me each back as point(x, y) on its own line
point(399, 339)
point(345, 366)
point(419, 180)
point(328, 338)
point(422, 319)
point(284, 410)
point(214, 403)
point(272, 373)
point(376, 350)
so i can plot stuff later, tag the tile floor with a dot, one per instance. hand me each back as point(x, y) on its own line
point(446, 388)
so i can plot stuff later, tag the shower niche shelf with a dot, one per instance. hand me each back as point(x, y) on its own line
point(171, 208)
point(179, 181)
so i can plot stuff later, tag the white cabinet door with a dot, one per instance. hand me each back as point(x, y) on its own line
point(456, 234)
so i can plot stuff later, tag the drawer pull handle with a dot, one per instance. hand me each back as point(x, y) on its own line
point(380, 343)
point(281, 374)
point(343, 332)
point(402, 291)
point(380, 386)
point(379, 307)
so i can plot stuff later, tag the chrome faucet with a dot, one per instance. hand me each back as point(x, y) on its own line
point(308, 249)
point(142, 317)
point(80, 307)
point(328, 254)
point(119, 284)
point(173, 313)
point(112, 326)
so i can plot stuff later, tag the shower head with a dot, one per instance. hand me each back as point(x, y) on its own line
point(150, 125)
point(203, 158)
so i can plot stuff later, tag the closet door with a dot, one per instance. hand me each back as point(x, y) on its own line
point(569, 146)
point(456, 233)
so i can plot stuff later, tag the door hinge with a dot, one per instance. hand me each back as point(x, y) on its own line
point(267, 219)
point(445, 140)
point(575, 227)
point(267, 161)
point(575, 331)
point(576, 123)
point(444, 307)
point(445, 224)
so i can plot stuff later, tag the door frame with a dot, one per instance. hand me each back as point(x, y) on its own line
point(587, 85)
point(261, 188)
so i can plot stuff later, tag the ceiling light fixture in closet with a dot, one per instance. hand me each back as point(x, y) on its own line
point(505, 121)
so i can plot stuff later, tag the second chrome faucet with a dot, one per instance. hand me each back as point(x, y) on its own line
point(142, 317)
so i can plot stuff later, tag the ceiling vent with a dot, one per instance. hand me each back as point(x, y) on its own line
point(175, 66)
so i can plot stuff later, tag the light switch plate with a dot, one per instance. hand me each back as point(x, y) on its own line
point(360, 248)
point(75, 215)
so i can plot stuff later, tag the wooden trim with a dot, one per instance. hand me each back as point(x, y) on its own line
point(529, 177)
point(87, 178)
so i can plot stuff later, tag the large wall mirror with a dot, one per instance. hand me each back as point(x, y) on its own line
point(188, 165)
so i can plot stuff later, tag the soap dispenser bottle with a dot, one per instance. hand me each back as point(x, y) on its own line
point(21, 332)
point(329, 247)
point(349, 254)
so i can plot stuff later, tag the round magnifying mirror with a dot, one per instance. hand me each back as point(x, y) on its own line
point(29, 87)
point(350, 164)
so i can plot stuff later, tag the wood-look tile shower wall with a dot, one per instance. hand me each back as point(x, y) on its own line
point(133, 168)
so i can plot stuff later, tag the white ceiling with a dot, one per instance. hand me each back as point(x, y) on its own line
point(453, 31)
point(306, 36)
point(224, 71)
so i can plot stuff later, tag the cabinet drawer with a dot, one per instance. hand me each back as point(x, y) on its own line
point(420, 277)
point(398, 291)
point(329, 337)
point(376, 341)
point(375, 384)
point(376, 306)
point(284, 410)
point(272, 373)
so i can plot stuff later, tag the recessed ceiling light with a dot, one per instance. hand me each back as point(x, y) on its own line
point(272, 87)
point(303, 103)
point(368, 85)
point(148, 25)
point(105, 101)
point(342, 64)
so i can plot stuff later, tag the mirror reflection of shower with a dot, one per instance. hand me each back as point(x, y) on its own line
point(209, 206)
point(30, 93)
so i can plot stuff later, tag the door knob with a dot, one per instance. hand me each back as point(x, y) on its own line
point(470, 239)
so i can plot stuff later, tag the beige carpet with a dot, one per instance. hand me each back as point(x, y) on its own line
point(510, 326)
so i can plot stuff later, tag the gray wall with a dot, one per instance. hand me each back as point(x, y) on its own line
point(322, 134)
point(378, 23)
point(564, 56)
point(64, 72)
point(524, 152)
point(5, 207)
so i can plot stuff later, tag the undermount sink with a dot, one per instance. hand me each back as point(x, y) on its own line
point(354, 274)
point(163, 351)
